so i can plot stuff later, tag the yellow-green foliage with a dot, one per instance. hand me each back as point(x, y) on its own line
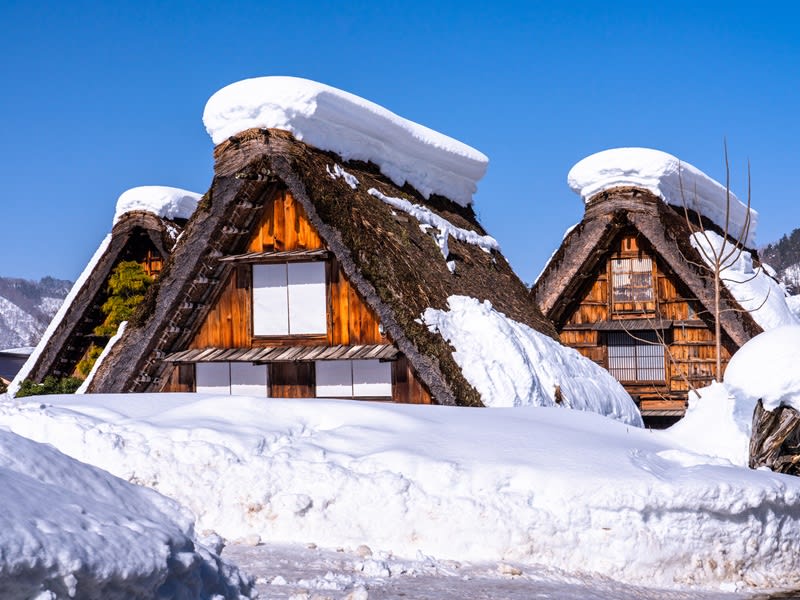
point(126, 286)
point(87, 362)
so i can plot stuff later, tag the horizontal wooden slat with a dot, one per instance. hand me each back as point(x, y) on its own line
point(286, 354)
point(276, 256)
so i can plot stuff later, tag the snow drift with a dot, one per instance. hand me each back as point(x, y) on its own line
point(71, 530)
point(765, 369)
point(353, 128)
point(674, 181)
point(562, 488)
point(510, 364)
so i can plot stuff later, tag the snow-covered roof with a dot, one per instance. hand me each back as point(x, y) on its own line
point(165, 202)
point(753, 287)
point(675, 181)
point(525, 367)
point(354, 128)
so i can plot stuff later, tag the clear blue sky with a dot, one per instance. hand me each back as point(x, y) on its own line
point(100, 97)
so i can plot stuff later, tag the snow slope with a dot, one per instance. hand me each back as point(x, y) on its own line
point(71, 530)
point(525, 367)
point(669, 178)
point(765, 369)
point(754, 289)
point(353, 128)
point(561, 488)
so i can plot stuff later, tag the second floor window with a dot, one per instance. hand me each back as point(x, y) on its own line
point(632, 279)
point(289, 299)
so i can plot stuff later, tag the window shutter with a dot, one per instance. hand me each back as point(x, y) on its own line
point(270, 300)
point(307, 298)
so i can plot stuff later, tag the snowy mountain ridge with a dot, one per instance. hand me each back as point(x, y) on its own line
point(26, 308)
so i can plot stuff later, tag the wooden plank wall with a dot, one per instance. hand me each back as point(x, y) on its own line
point(689, 341)
point(228, 324)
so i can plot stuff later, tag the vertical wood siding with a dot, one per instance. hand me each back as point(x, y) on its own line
point(690, 342)
point(228, 323)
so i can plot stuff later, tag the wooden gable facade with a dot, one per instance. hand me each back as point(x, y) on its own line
point(228, 314)
point(137, 236)
point(322, 340)
point(622, 290)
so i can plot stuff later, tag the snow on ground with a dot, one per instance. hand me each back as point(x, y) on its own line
point(71, 530)
point(525, 367)
point(353, 128)
point(793, 302)
point(732, 417)
point(678, 183)
point(551, 487)
point(165, 202)
point(765, 369)
point(753, 288)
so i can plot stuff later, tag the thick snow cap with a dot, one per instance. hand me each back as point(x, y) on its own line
point(669, 178)
point(765, 369)
point(354, 128)
point(166, 202)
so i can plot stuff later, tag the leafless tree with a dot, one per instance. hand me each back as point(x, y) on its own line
point(717, 260)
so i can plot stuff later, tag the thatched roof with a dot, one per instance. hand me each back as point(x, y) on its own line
point(396, 267)
point(70, 333)
point(560, 286)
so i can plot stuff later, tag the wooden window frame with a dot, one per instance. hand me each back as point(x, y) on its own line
point(638, 356)
point(320, 337)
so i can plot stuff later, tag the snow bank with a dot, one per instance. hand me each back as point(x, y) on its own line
point(165, 202)
point(23, 373)
point(765, 369)
point(510, 364)
point(71, 530)
point(352, 127)
point(793, 302)
point(562, 488)
point(757, 292)
point(732, 417)
point(663, 175)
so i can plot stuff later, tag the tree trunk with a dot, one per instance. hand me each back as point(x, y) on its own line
point(775, 441)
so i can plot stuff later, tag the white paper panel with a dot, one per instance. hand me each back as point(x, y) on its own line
point(248, 379)
point(372, 378)
point(213, 378)
point(307, 313)
point(334, 379)
point(270, 300)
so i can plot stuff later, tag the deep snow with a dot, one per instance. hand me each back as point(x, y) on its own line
point(525, 367)
point(552, 487)
point(353, 128)
point(71, 530)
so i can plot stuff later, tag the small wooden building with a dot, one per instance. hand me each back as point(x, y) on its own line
point(139, 236)
point(624, 290)
point(294, 279)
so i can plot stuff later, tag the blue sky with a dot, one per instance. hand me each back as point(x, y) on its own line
point(101, 97)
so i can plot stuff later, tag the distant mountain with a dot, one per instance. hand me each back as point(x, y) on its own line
point(26, 307)
point(784, 257)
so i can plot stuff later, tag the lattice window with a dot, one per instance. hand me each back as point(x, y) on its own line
point(632, 279)
point(639, 358)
